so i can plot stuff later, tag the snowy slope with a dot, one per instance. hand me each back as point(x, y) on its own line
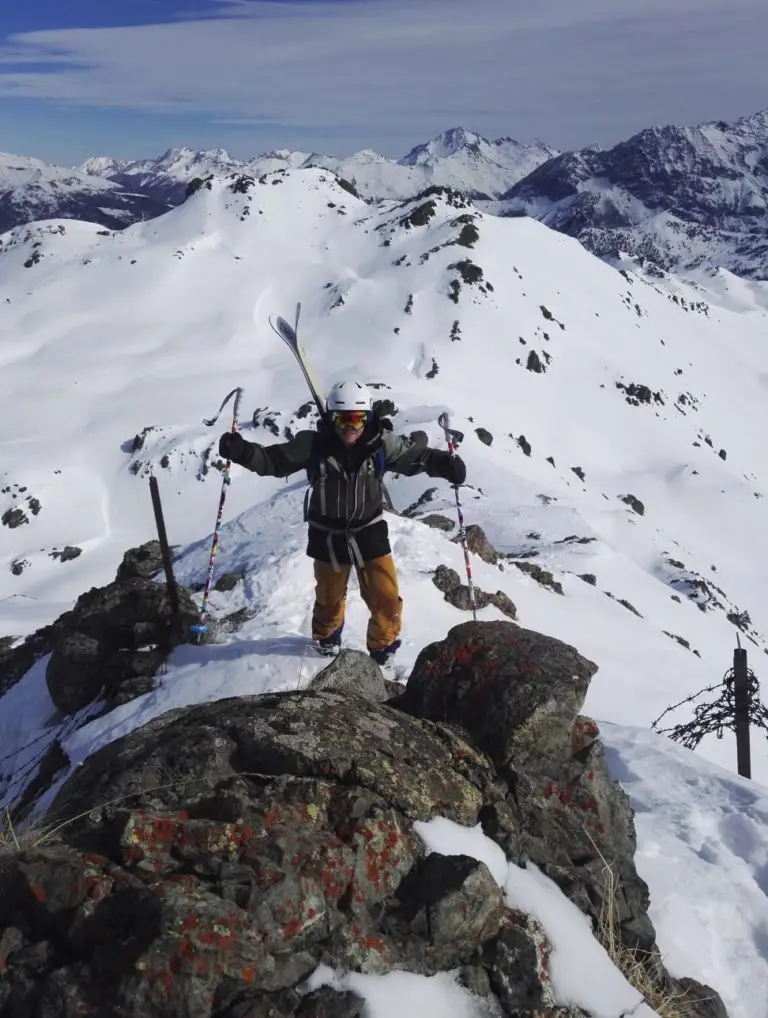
point(703, 851)
point(109, 334)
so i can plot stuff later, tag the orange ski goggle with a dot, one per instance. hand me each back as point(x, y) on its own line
point(350, 418)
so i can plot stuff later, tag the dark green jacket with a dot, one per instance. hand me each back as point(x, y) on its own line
point(346, 496)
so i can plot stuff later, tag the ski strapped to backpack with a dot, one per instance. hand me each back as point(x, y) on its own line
point(201, 627)
point(454, 439)
point(289, 335)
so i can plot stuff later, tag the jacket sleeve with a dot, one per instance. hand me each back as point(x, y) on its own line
point(282, 459)
point(405, 454)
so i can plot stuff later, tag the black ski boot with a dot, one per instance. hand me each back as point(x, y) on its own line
point(329, 646)
point(384, 655)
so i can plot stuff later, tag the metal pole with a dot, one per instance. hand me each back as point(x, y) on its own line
point(165, 551)
point(741, 706)
point(453, 438)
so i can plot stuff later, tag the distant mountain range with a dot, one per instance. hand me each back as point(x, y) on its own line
point(678, 199)
point(31, 190)
point(460, 159)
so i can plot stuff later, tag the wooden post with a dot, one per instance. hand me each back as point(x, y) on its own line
point(165, 551)
point(741, 706)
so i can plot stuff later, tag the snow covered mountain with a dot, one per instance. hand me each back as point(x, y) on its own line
point(681, 198)
point(457, 158)
point(103, 166)
point(621, 491)
point(165, 179)
point(31, 190)
point(469, 163)
point(688, 200)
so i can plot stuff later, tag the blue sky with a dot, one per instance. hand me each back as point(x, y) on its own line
point(130, 78)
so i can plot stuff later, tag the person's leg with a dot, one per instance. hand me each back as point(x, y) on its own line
point(330, 599)
point(378, 585)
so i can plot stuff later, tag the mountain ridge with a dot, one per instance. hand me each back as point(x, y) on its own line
point(680, 198)
point(686, 200)
point(620, 492)
point(163, 180)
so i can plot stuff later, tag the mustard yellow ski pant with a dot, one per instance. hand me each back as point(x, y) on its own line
point(378, 586)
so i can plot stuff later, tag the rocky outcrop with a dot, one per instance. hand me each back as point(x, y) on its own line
point(458, 594)
point(518, 695)
point(479, 544)
point(112, 643)
point(141, 563)
point(208, 862)
point(280, 843)
point(438, 522)
point(354, 672)
point(634, 503)
point(116, 639)
point(473, 678)
point(543, 577)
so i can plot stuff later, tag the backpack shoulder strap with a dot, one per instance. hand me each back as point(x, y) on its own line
point(317, 457)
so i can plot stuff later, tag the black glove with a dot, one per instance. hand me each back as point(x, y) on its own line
point(232, 446)
point(378, 425)
point(383, 408)
point(456, 472)
point(442, 464)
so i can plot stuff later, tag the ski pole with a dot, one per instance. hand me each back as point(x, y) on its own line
point(454, 438)
point(201, 627)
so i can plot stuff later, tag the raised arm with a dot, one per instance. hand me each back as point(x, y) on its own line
point(411, 455)
point(279, 460)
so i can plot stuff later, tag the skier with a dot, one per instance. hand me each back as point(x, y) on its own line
point(345, 459)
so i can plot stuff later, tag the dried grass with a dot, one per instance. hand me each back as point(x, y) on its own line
point(631, 962)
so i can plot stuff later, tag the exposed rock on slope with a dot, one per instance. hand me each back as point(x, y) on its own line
point(213, 858)
point(111, 644)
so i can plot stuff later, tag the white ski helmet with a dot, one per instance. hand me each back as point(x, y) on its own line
point(349, 395)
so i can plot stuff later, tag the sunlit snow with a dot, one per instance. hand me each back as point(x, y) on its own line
point(104, 335)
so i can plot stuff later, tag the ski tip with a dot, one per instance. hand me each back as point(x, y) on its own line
point(285, 331)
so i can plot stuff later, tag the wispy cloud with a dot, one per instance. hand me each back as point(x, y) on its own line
point(568, 72)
